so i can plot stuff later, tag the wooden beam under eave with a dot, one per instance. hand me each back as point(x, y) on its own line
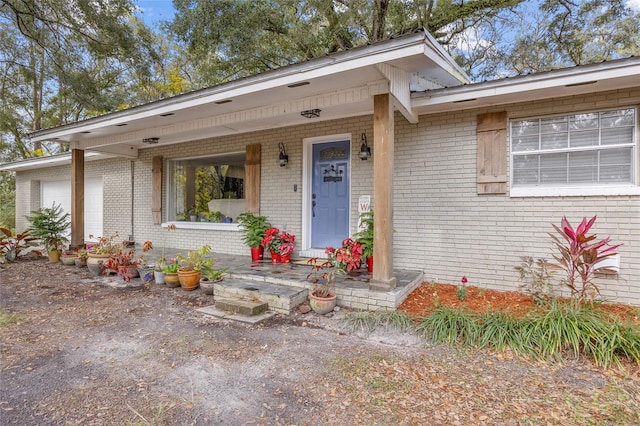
point(77, 198)
point(383, 153)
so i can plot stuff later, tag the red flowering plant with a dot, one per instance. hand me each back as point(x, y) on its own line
point(348, 257)
point(123, 257)
point(280, 242)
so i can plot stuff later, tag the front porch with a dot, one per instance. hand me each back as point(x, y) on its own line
point(285, 286)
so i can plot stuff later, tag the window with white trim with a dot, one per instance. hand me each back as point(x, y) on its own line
point(207, 188)
point(591, 149)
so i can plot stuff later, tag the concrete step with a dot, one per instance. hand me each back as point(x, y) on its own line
point(280, 298)
point(240, 306)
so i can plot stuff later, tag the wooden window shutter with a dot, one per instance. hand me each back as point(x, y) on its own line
point(156, 189)
point(252, 178)
point(492, 153)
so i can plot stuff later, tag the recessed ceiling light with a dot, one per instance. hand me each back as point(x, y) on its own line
point(585, 83)
point(302, 83)
point(311, 113)
point(225, 101)
point(166, 114)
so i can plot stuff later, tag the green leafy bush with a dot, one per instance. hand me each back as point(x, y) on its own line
point(11, 247)
point(561, 330)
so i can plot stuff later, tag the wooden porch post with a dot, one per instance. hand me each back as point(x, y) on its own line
point(383, 151)
point(252, 178)
point(77, 198)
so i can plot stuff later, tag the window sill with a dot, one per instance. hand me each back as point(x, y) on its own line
point(575, 191)
point(209, 226)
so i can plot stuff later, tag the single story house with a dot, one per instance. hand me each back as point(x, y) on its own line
point(463, 178)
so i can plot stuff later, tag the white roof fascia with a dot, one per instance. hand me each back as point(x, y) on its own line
point(572, 77)
point(49, 161)
point(416, 44)
point(444, 60)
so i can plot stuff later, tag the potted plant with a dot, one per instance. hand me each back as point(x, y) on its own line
point(170, 271)
point(124, 261)
point(81, 260)
point(215, 217)
point(365, 238)
point(192, 265)
point(322, 296)
point(145, 268)
point(192, 213)
point(49, 225)
point(69, 257)
point(348, 257)
point(253, 230)
point(280, 244)
point(209, 277)
point(100, 251)
point(158, 272)
point(181, 216)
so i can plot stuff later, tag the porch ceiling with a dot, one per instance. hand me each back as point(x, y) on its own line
point(341, 85)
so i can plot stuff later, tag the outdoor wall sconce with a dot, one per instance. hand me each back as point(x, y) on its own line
point(365, 149)
point(311, 113)
point(283, 158)
point(150, 141)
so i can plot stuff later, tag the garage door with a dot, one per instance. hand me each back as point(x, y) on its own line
point(60, 193)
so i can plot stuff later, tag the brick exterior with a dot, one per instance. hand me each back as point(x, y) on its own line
point(442, 227)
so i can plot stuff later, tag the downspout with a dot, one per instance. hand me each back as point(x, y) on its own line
point(131, 237)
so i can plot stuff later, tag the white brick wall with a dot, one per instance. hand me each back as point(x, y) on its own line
point(442, 226)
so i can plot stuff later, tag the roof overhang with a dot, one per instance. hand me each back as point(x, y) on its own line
point(340, 85)
point(49, 161)
point(601, 77)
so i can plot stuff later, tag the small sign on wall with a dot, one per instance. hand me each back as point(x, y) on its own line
point(364, 205)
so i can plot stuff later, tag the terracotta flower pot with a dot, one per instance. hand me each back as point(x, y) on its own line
point(54, 256)
point(322, 305)
point(171, 279)
point(189, 280)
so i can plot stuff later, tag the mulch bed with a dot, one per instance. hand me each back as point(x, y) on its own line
point(425, 298)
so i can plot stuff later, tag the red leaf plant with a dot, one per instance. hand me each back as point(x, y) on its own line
point(348, 257)
point(579, 255)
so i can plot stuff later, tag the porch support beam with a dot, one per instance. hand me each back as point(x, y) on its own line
point(383, 150)
point(77, 198)
point(400, 87)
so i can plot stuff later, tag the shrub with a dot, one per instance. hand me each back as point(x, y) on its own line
point(537, 279)
point(564, 328)
point(579, 254)
point(11, 247)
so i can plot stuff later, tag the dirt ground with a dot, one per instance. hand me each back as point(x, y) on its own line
point(76, 351)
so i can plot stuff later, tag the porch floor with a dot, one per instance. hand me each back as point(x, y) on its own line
point(265, 277)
